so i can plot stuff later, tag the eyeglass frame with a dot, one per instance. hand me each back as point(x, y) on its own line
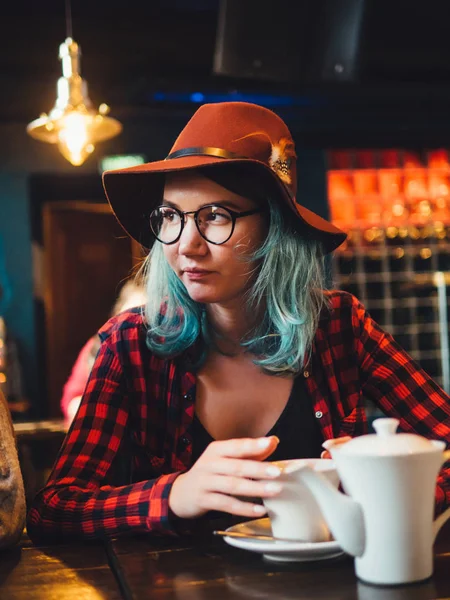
point(234, 216)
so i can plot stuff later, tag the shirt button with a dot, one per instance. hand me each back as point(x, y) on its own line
point(185, 440)
point(187, 397)
point(319, 414)
point(305, 373)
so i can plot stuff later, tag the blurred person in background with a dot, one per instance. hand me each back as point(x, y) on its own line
point(131, 294)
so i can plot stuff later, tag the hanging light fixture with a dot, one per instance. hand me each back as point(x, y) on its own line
point(73, 123)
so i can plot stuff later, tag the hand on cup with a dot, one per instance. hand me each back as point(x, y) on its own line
point(333, 442)
point(294, 513)
point(225, 472)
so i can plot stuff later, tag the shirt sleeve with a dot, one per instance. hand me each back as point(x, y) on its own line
point(402, 389)
point(76, 503)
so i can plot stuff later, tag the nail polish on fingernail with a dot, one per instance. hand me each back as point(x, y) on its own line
point(273, 487)
point(263, 442)
point(273, 471)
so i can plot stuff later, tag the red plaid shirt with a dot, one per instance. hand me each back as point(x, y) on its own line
point(133, 395)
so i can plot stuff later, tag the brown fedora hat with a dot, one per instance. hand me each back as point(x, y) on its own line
point(217, 135)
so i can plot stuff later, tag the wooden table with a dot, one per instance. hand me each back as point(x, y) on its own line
point(146, 567)
point(210, 569)
point(38, 443)
point(69, 572)
point(26, 430)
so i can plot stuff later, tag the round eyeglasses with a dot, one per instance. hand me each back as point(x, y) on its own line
point(215, 223)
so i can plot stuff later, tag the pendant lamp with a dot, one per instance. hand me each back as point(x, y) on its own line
point(73, 124)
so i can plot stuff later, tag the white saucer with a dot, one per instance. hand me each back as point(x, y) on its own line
point(284, 551)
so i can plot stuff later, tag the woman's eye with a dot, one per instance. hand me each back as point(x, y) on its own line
point(218, 217)
point(169, 215)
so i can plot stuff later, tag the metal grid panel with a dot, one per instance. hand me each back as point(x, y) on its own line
point(395, 271)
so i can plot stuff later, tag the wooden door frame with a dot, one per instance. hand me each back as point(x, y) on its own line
point(50, 210)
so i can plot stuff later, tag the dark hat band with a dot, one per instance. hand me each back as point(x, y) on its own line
point(217, 153)
point(203, 151)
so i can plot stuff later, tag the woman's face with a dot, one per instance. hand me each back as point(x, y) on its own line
point(212, 273)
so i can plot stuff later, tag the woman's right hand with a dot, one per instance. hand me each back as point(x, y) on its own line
point(227, 469)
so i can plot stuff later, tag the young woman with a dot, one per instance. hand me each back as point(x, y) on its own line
point(240, 354)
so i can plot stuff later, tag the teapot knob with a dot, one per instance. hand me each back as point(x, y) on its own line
point(385, 427)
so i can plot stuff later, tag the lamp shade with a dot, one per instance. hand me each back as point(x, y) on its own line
point(73, 123)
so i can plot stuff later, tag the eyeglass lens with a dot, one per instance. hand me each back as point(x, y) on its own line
point(215, 223)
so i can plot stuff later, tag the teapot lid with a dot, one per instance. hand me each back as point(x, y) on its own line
point(386, 441)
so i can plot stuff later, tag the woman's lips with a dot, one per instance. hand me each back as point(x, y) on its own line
point(195, 274)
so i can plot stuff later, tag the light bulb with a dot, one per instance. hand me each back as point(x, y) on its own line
point(74, 139)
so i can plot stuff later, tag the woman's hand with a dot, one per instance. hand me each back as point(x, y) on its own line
point(333, 442)
point(225, 470)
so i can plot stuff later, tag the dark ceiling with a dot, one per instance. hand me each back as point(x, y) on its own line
point(133, 50)
point(128, 49)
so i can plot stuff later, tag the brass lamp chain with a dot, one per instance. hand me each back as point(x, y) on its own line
point(68, 19)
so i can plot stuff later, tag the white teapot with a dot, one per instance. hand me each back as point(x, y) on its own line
point(386, 521)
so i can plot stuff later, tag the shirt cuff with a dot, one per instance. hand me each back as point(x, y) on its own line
point(160, 518)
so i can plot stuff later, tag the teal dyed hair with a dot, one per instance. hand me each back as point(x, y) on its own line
point(288, 284)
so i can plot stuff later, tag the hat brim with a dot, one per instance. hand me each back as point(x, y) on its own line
point(134, 192)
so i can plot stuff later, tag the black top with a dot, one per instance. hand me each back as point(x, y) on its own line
point(296, 428)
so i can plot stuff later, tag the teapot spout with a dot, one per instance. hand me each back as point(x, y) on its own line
point(343, 515)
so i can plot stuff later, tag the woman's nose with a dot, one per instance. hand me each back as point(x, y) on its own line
point(191, 240)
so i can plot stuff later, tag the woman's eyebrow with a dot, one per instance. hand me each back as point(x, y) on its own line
point(226, 203)
point(232, 205)
point(169, 203)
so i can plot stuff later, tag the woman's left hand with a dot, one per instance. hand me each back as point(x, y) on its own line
point(333, 442)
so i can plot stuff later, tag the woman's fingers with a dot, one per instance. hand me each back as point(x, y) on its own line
point(270, 448)
point(229, 504)
point(241, 467)
point(227, 469)
point(333, 442)
point(259, 448)
point(239, 486)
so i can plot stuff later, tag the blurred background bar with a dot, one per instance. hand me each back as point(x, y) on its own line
point(394, 205)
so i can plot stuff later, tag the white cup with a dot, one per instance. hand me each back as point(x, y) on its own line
point(294, 513)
